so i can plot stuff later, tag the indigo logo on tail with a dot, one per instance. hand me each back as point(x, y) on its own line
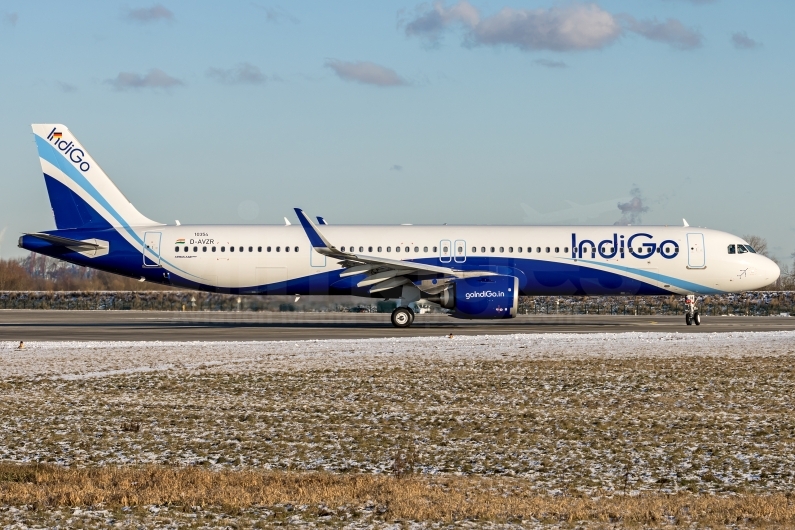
point(69, 150)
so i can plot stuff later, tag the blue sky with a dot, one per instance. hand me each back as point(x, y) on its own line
point(494, 112)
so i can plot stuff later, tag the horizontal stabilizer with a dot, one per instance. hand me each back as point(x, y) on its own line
point(66, 242)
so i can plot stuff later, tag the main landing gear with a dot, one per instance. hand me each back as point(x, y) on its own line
point(402, 317)
point(691, 313)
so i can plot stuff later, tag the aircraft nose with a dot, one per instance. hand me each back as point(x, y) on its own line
point(772, 271)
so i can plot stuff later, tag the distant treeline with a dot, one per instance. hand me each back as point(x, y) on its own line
point(41, 273)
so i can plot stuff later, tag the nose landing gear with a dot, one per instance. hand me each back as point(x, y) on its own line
point(402, 317)
point(691, 313)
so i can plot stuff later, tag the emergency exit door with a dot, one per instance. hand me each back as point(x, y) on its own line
point(460, 251)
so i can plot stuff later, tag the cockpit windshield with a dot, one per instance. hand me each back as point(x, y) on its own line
point(741, 249)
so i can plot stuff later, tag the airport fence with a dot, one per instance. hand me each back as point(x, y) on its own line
point(752, 303)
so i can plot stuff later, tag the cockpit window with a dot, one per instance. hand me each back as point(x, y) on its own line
point(731, 249)
point(741, 249)
point(750, 249)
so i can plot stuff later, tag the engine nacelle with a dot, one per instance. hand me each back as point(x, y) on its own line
point(481, 297)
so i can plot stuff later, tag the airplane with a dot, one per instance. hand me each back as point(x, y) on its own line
point(476, 272)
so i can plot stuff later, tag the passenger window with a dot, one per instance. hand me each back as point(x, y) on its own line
point(519, 249)
point(407, 249)
point(445, 250)
point(176, 249)
point(342, 249)
point(204, 249)
point(510, 249)
point(547, 250)
point(389, 249)
point(379, 249)
point(223, 249)
point(557, 249)
point(369, 249)
point(538, 249)
point(259, 249)
point(251, 249)
point(287, 249)
point(529, 249)
point(474, 249)
point(434, 249)
point(241, 249)
point(483, 249)
point(425, 249)
point(460, 250)
point(184, 249)
point(397, 249)
point(268, 249)
point(213, 249)
point(231, 249)
point(492, 250)
point(278, 249)
point(296, 249)
point(416, 249)
point(731, 249)
point(566, 250)
point(502, 249)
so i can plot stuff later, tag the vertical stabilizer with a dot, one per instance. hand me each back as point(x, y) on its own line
point(81, 194)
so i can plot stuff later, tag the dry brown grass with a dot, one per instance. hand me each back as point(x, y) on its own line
point(415, 498)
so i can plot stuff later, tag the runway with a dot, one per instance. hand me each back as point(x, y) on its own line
point(43, 325)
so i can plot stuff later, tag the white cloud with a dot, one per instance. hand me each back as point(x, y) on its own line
point(365, 72)
point(578, 27)
point(572, 28)
point(430, 23)
point(155, 78)
point(671, 32)
point(66, 87)
point(241, 74)
point(146, 15)
point(742, 41)
point(277, 14)
point(551, 64)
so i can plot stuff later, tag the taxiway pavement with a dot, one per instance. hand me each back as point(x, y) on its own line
point(44, 325)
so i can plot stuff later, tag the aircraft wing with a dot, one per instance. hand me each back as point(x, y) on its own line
point(383, 273)
point(66, 242)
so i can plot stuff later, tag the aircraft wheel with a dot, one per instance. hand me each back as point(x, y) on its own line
point(402, 317)
point(411, 311)
point(688, 319)
point(696, 318)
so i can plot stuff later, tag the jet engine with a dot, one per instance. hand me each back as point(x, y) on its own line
point(495, 296)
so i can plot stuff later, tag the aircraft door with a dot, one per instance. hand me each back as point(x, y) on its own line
point(696, 258)
point(151, 249)
point(460, 251)
point(445, 251)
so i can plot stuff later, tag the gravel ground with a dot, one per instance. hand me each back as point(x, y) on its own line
point(588, 414)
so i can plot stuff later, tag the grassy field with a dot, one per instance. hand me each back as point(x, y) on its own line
point(499, 438)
